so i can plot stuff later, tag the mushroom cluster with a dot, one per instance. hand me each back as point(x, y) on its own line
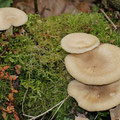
point(96, 69)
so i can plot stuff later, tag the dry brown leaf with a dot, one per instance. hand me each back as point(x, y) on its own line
point(1, 75)
point(10, 105)
point(25, 5)
point(10, 109)
point(81, 117)
point(51, 7)
point(17, 69)
point(4, 115)
point(115, 113)
point(57, 7)
point(48, 8)
point(10, 97)
point(13, 77)
point(84, 7)
point(71, 8)
point(14, 91)
point(5, 68)
point(16, 116)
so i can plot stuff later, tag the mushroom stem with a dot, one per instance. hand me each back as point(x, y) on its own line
point(10, 31)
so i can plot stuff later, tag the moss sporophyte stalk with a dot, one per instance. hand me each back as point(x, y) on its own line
point(41, 58)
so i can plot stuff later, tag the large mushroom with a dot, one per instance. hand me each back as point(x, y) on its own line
point(95, 98)
point(96, 67)
point(79, 42)
point(10, 16)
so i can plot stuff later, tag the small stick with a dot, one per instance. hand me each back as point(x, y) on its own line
point(35, 117)
point(3, 51)
point(24, 100)
point(108, 19)
point(60, 103)
point(59, 107)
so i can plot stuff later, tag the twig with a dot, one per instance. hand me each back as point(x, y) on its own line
point(24, 100)
point(49, 109)
point(96, 117)
point(59, 107)
point(3, 51)
point(35, 117)
point(115, 27)
point(42, 117)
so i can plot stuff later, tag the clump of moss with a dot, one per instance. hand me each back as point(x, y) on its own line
point(42, 59)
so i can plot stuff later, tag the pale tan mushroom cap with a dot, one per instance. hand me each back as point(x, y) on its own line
point(11, 16)
point(96, 67)
point(79, 42)
point(95, 98)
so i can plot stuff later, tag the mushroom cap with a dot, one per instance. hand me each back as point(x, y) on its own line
point(96, 67)
point(79, 42)
point(95, 98)
point(11, 16)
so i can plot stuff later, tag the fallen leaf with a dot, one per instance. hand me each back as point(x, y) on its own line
point(16, 116)
point(17, 69)
point(10, 109)
point(4, 115)
point(15, 91)
point(80, 117)
point(10, 97)
point(84, 7)
point(4, 68)
point(48, 8)
point(1, 75)
point(71, 8)
point(25, 5)
point(13, 77)
point(115, 113)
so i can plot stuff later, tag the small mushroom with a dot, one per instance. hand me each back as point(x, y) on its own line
point(96, 67)
point(79, 42)
point(95, 98)
point(10, 17)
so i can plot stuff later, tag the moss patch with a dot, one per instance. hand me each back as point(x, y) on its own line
point(42, 60)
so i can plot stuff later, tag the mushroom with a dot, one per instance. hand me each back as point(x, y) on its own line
point(10, 17)
point(79, 42)
point(95, 98)
point(96, 67)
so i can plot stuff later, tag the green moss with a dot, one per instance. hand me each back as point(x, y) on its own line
point(115, 3)
point(42, 60)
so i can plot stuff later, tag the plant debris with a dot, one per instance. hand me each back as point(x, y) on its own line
point(115, 113)
point(10, 109)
